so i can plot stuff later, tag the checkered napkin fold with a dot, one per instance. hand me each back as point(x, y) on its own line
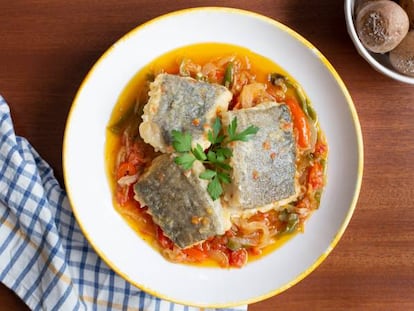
point(44, 258)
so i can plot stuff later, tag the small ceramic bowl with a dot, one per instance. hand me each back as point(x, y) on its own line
point(91, 197)
point(379, 62)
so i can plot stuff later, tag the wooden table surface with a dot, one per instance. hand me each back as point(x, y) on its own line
point(47, 47)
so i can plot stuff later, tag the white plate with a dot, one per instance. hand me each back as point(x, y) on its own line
point(88, 187)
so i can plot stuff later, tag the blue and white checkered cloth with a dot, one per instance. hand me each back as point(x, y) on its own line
point(44, 257)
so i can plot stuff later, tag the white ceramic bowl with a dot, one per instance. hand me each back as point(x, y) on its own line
point(379, 62)
point(90, 194)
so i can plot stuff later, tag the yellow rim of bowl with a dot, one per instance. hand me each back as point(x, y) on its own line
point(354, 117)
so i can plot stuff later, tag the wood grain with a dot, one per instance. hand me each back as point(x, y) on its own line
point(47, 47)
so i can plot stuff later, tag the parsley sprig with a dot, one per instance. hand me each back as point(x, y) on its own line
point(215, 158)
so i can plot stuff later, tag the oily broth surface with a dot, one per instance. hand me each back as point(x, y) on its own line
point(136, 89)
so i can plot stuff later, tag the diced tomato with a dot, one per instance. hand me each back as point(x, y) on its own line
point(124, 194)
point(137, 153)
point(195, 253)
point(321, 149)
point(304, 203)
point(125, 169)
point(219, 75)
point(164, 241)
point(259, 216)
point(230, 233)
point(255, 251)
point(219, 243)
point(238, 258)
point(315, 177)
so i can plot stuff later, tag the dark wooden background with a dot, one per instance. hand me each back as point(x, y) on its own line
point(47, 47)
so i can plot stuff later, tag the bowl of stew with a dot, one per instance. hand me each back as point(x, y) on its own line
point(231, 164)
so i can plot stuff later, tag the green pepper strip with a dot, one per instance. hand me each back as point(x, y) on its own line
point(292, 224)
point(291, 220)
point(228, 75)
point(122, 122)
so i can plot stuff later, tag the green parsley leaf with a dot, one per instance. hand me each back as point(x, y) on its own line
point(186, 160)
point(208, 174)
point(210, 136)
point(181, 141)
point(224, 153)
point(232, 127)
point(219, 139)
point(216, 156)
point(198, 152)
point(223, 165)
point(244, 135)
point(216, 127)
point(213, 136)
point(211, 156)
point(220, 157)
point(214, 188)
point(224, 177)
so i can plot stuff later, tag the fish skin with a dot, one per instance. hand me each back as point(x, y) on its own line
point(183, 104)
point(179, 203)
point(264, 167)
